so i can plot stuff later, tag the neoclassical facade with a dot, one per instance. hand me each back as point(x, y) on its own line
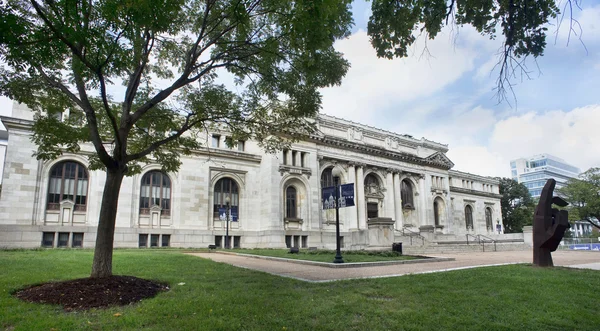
point(401, 184)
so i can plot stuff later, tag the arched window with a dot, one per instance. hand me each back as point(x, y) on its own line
point(68, 181)
point(469, 217)
point(226, 188)
point(406, 193)
point(155, 191)
point(488, 219)
point(290, 202)
point(327, 179)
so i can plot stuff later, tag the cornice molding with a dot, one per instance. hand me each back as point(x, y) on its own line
point(380, 134)
point(437, 160)
point(466, 175)
point(16, 123)
point(475, 192)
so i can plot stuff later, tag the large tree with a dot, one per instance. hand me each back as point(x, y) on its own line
point(583, 196)
point(139, 78)
point(395, 25)
point(516, 204)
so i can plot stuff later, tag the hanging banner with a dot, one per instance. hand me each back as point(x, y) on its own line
point(223, 214)
point(347, 195)
point(233, 216)
point(328, 197)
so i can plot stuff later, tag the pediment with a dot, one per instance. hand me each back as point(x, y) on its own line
point(440, 159)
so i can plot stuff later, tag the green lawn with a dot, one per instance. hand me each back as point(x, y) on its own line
point(222, 297)
point(327, 255)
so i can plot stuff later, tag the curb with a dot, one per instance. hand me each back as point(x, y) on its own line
point(343, 265)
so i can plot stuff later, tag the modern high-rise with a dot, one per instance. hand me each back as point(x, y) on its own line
point(534, 171)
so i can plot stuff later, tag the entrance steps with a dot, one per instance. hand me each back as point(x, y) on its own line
point(416, 245)
point(463, 248)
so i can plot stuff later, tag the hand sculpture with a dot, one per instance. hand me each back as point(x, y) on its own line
point(549, 225)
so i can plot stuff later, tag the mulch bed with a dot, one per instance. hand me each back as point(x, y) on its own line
point(86, 293)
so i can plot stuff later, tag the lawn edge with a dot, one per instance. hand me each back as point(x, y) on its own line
point(425, 259)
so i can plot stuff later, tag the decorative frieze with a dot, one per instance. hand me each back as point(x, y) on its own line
point(283, 169)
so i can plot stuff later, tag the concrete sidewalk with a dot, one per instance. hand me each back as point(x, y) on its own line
point(312, 273)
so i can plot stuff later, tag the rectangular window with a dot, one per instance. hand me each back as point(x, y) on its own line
point(57, 115)
point(216, 139)
point(304, 241)
point(303, 159)
point(241, 145)
point(77, 239)
point(285, 155)
point(166, 240)
point(294, 154)
point(297, 241)
point(143, 241)
point(513, 165)
point(154, 240)
point(63, 239)
point(341, 242)
point(48, 239)
point(288, 241)
point(218, 241)
point(372, 210)
point(236, 241)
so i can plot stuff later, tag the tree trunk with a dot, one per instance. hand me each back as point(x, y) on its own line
point(102, 266)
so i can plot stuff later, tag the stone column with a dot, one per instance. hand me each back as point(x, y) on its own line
point(423, 194)
point(360, 193)
point(389, 194)
point(398, 201)
point(352, 211)
point(298, 158)
point(288, 157)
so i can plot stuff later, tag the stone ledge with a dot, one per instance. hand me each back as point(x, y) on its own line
point(424, 259)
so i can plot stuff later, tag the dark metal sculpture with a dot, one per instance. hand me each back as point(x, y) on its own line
point(549, 226)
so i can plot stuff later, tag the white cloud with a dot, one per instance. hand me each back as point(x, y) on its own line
point(5, 106)
point(483, 142)
point(374, 84)
point(572, 135)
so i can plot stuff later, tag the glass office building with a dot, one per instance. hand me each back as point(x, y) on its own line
point(534, 171)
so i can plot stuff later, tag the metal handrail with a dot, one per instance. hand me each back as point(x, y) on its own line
point(411, 235)
point(475, 237)
point(483, 241)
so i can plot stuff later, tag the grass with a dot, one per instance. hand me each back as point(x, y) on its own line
point(218, 296)
point(328, 255)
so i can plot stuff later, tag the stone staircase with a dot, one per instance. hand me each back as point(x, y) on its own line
point(415, 244)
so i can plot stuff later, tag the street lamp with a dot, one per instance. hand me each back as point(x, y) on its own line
point(227, 222)
point(335, 173)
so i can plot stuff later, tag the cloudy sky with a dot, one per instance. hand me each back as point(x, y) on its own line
point(448, 96)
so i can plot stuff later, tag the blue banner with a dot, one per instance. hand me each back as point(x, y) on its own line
point(585, 247)
point(347, 195)
point(223, 214)
point(328, 197)
point(233, 216)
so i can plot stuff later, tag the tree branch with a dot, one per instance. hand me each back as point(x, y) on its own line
point(186, 126)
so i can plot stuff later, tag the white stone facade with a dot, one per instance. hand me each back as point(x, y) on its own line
point(278, 196)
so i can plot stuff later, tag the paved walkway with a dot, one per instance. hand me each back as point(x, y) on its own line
point(311, 273)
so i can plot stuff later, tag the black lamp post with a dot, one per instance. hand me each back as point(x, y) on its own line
point(338, 253)
point(227, 223)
